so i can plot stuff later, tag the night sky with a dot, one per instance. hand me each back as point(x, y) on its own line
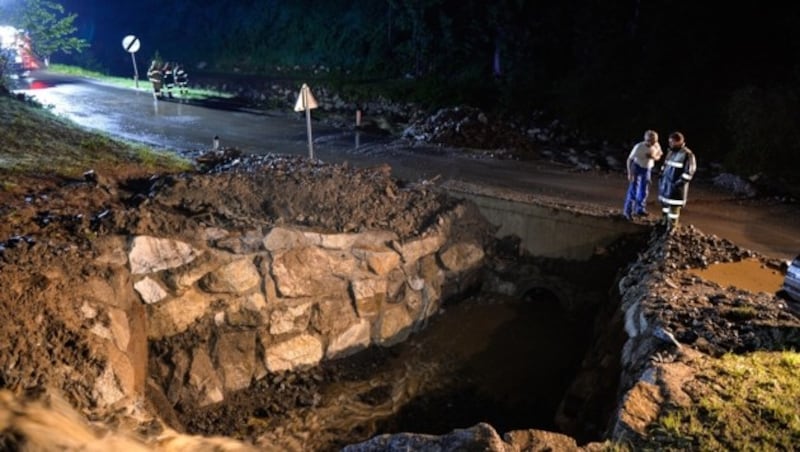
point(745, 41)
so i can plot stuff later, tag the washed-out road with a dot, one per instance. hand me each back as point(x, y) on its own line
point(767, 226)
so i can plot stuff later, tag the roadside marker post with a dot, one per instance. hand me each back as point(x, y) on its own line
point(306, 102)
point(131, 45)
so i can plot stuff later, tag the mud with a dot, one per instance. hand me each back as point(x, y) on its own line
point(487, 359)
point(51, 233)
point(441, 379)
point(749, 274)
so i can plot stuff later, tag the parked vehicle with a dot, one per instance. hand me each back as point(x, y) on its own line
point(16, 55)
point(791, 283)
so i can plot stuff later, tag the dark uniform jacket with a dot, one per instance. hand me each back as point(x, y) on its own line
point(678, 170)
point(181, 77)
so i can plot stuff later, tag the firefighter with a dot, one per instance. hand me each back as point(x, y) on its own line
point(169, 78)
point(156, 78)
point(677, 171)
point(181, 79)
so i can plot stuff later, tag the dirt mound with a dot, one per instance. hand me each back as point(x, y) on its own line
point(262, 191)
point(50, 237)
point(46, 237)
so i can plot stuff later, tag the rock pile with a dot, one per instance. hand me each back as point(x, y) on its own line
point(469, 128)
point(710, 318)
point(670, 314)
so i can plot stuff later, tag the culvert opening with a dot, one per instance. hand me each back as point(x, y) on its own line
point(524, 360)
point(509, 362)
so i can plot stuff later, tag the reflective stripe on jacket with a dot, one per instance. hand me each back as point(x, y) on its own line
point(154, 75)
point(181, 77)
point(679, 168)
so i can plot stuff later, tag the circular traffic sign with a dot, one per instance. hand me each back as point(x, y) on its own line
point(131, 43)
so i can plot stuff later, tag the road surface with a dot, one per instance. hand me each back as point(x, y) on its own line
point(766, 226)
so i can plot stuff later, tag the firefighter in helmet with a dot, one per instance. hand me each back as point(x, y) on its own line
point(677, 171)
point(181, 79)
point(156, 78)
point(168, 72)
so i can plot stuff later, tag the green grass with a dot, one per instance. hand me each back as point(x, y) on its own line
point(749, 402)
point(129, 82)
point(35, 141)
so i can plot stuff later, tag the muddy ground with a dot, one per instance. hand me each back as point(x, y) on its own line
point(50, 231)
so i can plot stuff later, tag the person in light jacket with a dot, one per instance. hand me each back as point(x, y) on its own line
point(640, 166)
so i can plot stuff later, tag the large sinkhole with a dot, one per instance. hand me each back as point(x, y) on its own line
point(535, 345)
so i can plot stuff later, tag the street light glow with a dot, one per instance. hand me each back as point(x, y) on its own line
point(8, 36)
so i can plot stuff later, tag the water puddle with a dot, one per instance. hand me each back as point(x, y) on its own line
point(749, 274)
point(505, 362)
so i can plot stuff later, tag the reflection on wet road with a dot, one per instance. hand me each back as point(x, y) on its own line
point(175, 124)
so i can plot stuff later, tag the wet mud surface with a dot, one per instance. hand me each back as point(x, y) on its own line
point(435, 382)
point(749, 274)
point(485, 359)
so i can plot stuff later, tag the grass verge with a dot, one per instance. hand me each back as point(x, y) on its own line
point(740, 402)
point(143, 83)
point(37, 143)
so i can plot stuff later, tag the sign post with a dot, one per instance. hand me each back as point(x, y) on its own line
point(131, 45)
point(306, 101)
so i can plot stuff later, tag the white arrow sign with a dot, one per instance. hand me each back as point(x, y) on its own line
point(305, 102)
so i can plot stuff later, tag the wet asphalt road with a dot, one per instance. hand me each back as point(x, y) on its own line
point(761, 225)
point(173, 124)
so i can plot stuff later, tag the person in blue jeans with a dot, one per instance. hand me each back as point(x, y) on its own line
point(640, 164)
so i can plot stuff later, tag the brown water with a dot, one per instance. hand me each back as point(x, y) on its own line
point(509, 365)
point(749, 274)
point(505, 362)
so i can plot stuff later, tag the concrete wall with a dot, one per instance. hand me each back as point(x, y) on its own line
point(549, 231)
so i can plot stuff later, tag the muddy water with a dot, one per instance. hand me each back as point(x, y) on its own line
point(505, 362)
point(748, 274)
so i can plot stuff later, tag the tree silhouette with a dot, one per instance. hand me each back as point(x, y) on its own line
point(49, 28)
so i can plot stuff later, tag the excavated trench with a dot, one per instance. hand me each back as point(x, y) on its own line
point(272, 306)
point(517, 351)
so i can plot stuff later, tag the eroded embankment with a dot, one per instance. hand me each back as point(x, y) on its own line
point(216, 280)
point(505, 355)
point(172, 302)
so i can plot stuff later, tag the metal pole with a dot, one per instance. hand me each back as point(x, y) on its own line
point(308, 123)
point(135, 70)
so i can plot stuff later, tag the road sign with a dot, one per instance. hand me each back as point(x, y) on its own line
point(131, 44)
point(305, 102)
